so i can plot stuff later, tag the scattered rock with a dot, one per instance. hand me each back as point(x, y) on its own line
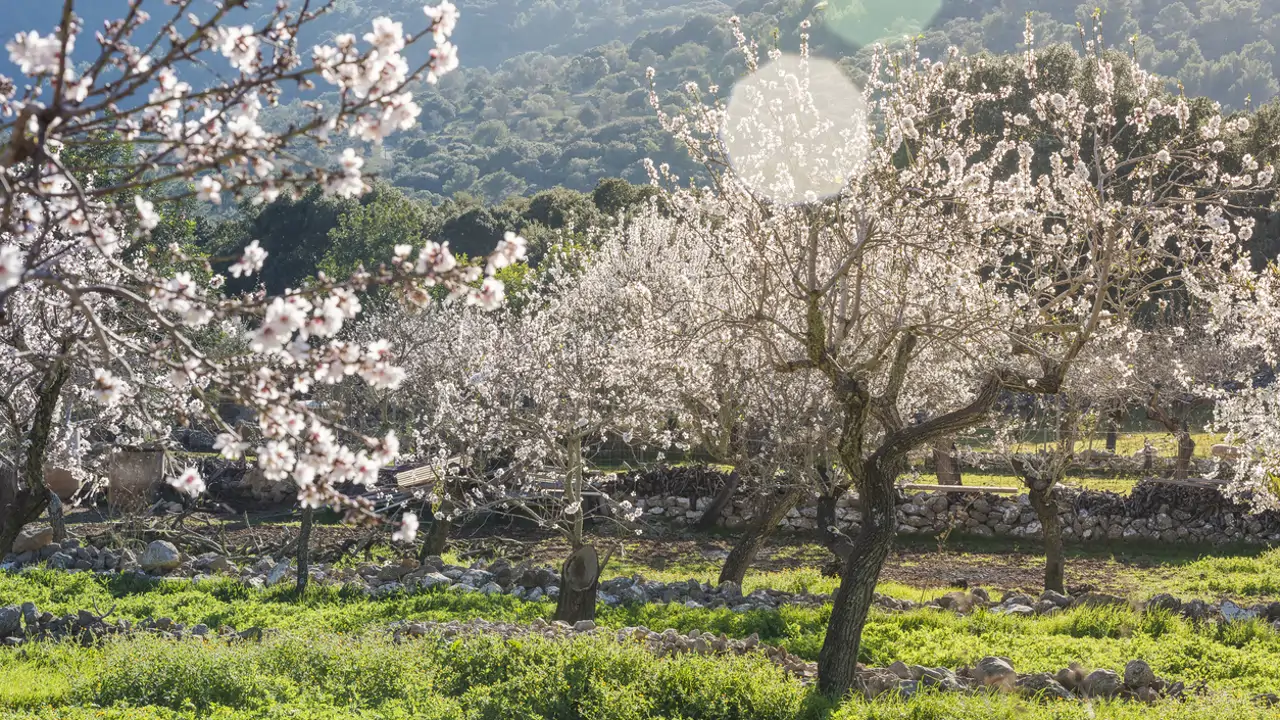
point(32, 539)
point(1138, 674)
point(1101, 684)
point(10, 620)
point(160, 555)
point(995, 672)
point(1042, 686)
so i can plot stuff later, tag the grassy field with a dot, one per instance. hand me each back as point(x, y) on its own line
point(328, 657)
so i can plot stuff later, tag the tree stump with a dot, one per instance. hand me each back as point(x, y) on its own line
point(579, 581)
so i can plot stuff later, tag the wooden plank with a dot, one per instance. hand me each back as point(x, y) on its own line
point(962, 488)
point(424, 474)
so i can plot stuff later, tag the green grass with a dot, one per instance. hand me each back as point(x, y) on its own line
point(1122, 486)
point(328, 657)
point(321, 674)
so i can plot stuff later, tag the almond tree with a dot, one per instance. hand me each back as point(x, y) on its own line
point(82, 312)
point(532, 392)
point(952, 260)
point(1185, 366)
point(1097, 382)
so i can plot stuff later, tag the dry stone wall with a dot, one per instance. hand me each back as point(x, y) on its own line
point(1154, 512)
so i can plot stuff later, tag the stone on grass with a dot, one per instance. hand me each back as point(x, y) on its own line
point(584, 626)
point(32, 539)
point(877, 682)
point(1056, 598)
point(160, 555)
point(1042, 686)
point(1164, 601)
point(1138, 674)
point(10, 620)
point(278, 572)
point(1101, 684)
point(995, 672)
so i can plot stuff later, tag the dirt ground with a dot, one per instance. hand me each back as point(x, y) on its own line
point(919, 564)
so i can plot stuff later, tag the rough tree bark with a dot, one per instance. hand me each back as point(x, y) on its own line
point(23, 494)
point(827, 516)
point(761, 528)
point(304, 549)
point(1186, 449)
point(579, 581)
point(56, 521)
point(1041, 495)
point(438, 535)
point(874, 477)
point(711, 516)
point(862, 561)
point(580, 574)
point(945, 462)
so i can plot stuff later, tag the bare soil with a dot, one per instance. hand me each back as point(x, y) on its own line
point(1002, 565)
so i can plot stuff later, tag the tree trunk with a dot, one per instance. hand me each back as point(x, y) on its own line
point(711, 516)
point(945, 462)
point(304, 549)
point(23, 494)
point(827, 516)
point(579, 581)
point(1186, 449)
point(760, 529)
point(1113, 436)
point(862, 561)
point(56, 521)
point(1047, 512)
point(438, 536)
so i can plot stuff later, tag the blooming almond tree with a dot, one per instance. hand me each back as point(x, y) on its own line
point(79, 309)
point(523, 397)
point(954, 259)
point(1098, 382)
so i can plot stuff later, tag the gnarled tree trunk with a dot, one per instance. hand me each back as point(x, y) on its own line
point(438, 534)
point(760, 529)
point(304, 549)
point(946, 464)
point(23, 494)
point(1186, 449)
point(56, 521)
point(711, 516)
point(827, 516)
point(579, 581)
point(860, 570)
point(1041, 495)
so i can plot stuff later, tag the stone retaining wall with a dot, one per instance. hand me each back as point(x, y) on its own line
point(1154, 512)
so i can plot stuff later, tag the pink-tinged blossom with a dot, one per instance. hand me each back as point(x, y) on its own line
point(444, 18)
point(230, 446)
point(489, 296)
point(189, 482)
point(209, 189)
point(511, 249)
point(250, 262)
point(239, 45)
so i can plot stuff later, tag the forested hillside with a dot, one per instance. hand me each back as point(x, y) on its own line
point(553, 92)
point(552, 118)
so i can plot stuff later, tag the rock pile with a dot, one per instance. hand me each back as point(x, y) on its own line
point(24, 623)
point(991, 674)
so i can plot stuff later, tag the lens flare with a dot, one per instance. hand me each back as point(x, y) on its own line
point(864, 22)
point(796, 129)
